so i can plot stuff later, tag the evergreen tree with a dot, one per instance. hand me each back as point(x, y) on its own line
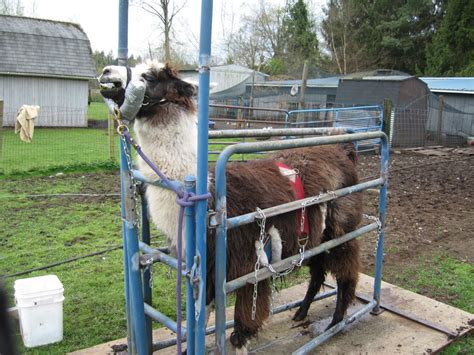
point(452, 50)
point(301, 37)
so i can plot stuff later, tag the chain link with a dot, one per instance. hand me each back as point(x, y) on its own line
point(133, 184)
point(261, 223)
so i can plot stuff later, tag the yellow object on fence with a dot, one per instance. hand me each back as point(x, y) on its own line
point(25, 122)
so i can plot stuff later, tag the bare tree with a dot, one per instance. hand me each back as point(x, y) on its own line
point(259, 38)
point(11, 7)
point(166, 11)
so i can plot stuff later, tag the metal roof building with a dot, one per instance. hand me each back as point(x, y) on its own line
point(45, 63)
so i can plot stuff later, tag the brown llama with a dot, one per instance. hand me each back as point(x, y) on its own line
point(166, 129)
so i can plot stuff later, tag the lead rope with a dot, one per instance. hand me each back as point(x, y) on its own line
point(183, 199)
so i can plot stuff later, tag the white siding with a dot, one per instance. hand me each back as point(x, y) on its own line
point(63, 102)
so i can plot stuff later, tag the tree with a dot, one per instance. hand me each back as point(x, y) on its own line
point(365, 34)
point(259, 38)
point(452, 50)
point(11, 7)
point(300, 37)
point(166, 11)
point(101, 60)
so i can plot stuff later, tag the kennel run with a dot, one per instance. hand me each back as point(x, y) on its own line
point(139, 256)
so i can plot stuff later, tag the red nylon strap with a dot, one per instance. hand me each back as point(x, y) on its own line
point(297, 184)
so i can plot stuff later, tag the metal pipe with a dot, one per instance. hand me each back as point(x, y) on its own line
point(284, 264)
point(147, 275)
point(124, 183)
point(274, 132)
point(211, 330)
point(161, 318)
point(373, 107)
point(305, 349)
point(238, 221)
point(202, 168)
point(137, 175)
point(190, 229)
point(248, 108)
point(133, 281)
point(155, 255)
point(122, 54)
point(384, 163)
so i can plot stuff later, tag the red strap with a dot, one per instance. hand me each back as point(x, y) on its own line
point(297, 184)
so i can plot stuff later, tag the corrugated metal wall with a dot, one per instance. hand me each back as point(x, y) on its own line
point(63, 102)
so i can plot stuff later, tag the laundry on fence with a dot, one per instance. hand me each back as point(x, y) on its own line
point(25, 122)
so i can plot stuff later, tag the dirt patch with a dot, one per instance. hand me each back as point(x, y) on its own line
point(429, 209)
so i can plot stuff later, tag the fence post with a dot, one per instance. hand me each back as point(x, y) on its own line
point(1, 128)
point(301, 105)
point(110, 133)
point(387, 113)
point(440, 119)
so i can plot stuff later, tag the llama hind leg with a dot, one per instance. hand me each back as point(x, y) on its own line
point(245, 327)
point(345, 294)
point(318, 276)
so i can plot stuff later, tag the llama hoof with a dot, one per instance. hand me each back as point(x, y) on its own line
point(300, 315)
point(239, 342)
point(332, 324)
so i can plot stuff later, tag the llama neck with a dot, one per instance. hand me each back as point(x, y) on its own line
point(171, 146)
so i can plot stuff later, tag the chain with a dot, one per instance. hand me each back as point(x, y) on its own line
point(379, 229)
point(261, 241)
point(133, 183)
point(121, 128)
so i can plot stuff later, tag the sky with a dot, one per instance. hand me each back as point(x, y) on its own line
point(99, 19)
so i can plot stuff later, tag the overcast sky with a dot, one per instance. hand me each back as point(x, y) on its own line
point(99, 19)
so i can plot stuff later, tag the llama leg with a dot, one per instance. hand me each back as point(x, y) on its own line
point(317, 278)
point(345, 294)
point(245, 327)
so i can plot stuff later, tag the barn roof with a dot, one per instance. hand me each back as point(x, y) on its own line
point(460, 85)
point(32, 46)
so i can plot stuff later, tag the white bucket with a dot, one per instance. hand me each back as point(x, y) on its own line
point(40, 309)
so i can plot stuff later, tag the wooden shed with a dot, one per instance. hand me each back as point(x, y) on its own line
point(45, 63)
point(371, 88)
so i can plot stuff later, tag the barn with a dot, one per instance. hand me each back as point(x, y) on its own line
point(46, 63)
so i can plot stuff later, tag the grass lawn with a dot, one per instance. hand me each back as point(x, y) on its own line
point(54, 148)
point(41, 231)
point(98, 111)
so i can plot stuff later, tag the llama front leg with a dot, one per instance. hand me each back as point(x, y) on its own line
point(318, 276)
point(245, 327)
point(345, 294)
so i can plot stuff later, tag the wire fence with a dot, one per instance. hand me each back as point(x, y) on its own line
point(64, 148)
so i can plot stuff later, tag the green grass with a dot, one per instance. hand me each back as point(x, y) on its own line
point(54, 148)
point(98, 111)
point(41, 231)
point(447, 280)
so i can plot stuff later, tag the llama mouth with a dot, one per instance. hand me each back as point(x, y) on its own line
point(110, 85)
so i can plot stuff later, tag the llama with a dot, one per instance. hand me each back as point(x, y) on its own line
point(166, 129)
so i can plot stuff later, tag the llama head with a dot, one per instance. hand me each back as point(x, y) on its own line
point(163, 86)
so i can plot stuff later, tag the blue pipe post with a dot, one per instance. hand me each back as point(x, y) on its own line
point(190, 227)
point(124, 178)
point(147, 275)
point(384, 164)
point(122, 53)
point(201, 188)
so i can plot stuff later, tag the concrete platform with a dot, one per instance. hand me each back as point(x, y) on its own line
point(397, 330)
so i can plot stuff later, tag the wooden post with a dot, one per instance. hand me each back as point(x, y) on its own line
point(440, 119)
point(301, 104)
point(112, 140)
point(1, 128)
point(387, 113)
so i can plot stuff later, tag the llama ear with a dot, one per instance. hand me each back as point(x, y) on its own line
point(187, 89)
